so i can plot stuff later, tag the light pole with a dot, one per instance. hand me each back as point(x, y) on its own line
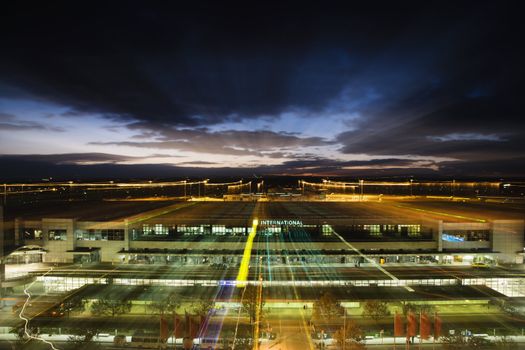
point(361, 183)
point(344, 328)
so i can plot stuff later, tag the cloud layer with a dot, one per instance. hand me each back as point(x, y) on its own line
point(284, 87)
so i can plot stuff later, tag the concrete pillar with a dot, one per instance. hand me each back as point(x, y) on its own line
point(507, 240)
point(18, 241)
point(440, 236)
point(126, 235)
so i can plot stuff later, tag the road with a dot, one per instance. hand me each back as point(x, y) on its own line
point(282, 272)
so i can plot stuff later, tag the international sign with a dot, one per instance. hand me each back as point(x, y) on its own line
point(281, 222)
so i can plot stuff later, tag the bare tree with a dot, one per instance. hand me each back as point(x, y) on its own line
point(407, 307)
point(375, 309)
point(82, 338)
point(166, 306)
point(327, 307)
point(73, 304)
point(110, 307)
point(23, 342)
point(352, 335)
point(203, 307)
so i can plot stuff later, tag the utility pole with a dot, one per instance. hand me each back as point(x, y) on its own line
point(258, 310)
point(344, 328)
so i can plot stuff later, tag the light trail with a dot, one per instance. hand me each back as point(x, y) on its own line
point(28, 294)
point(304, 326)
point(238, 183)
point(238, 319)
point(371, 261)
point(258, 312)
point(242, 277)
point(268, 258)
point(158, 212)
point(400, 183)
point(26, 320)
point(442, 213)
point(105, 184)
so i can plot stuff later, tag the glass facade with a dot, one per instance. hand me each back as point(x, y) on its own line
point(314, 232)
point(214, 230)
point(466, 236)
point(155, 229)
point(100, 235)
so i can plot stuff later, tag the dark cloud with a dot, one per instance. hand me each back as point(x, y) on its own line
point(495, 168)
point(214, 62)
point(472, 129)
point(197, 162)
point(330, 167)
point(427, 79)
point(76, 158)
point(230, 142)
point(9, 122)
point(104, 166)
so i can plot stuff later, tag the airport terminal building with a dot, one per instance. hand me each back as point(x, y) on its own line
point(293, 232)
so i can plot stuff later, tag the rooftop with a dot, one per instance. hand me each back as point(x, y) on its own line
point(243, 212)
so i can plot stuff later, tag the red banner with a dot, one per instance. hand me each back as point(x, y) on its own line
point(399, 330)
point(178, 331)
point(194, 327)
point(164, 332)
point(437, 326)
point(411, 325)
point(424, 326)
point(187, 322)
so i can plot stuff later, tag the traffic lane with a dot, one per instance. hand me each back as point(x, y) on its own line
point(285, 272)
point(276, 321)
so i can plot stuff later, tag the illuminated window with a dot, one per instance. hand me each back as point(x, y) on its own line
point(374, 230)
point(410, 230)
point(218, 230)
point(276, 229)
point(190, 230)
point(327, 230)
point(238, 230)
point(57, 235)
point(147, 229)
point(161, 229)
point(389, 228)
point(32, 233)
point(157, 229)
point(100, 235)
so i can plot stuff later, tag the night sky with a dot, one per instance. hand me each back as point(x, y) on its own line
point(164, 89)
